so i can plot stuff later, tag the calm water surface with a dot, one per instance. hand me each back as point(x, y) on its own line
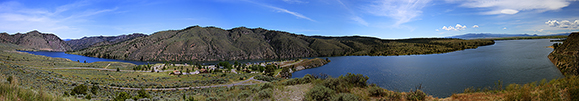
point(511, 61)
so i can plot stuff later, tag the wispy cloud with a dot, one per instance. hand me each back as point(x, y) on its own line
point(513, 6)
point(22, 18)
point(401, 10)
point(354, 16)
point(283, 10)
point(294, 1)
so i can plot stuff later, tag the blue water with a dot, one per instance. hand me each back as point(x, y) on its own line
point(81, 58)
point(511, 61)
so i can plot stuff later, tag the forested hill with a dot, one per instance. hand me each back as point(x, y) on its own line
point(213, 44)
point(564, 56)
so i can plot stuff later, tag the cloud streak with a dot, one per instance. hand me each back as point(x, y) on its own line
point(283, 10)
point(355, 17)
point(401, 10)
point(512, 6)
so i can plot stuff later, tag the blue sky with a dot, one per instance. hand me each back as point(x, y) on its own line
point(388, 19)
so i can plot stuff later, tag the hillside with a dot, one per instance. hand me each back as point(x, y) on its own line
point(86, 42)
point(564, 56)
point(213, 44)
point(36, 41)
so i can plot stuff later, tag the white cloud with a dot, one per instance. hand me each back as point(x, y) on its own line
point(563, 24)
point(504, 28)
point(401, 10)
point(513, 6)
point(475, 26)
point(458, 27)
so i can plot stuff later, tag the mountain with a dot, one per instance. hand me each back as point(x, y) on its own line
point(489, 35)
point(565, 56)
point(36, 41)
point(85, 42)
point(214, 44)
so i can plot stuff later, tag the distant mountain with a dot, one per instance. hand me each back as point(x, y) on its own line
point(86, 42)
point(489, 35)
point(36, 40)
point(214, 44)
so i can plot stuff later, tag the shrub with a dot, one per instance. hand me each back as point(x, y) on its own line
point(416, 95)
point(243, 95)
point(574, 93)
point(376, 91)
point(122, 96)
point(266, 86)
point(357, 80)
point(9, 79)
point(266, 93)
point(319, 93)
point(345, 97)
point(94, 89)
point(143, 94)
point(336, 84)
point(88, 97)
point(80, 89)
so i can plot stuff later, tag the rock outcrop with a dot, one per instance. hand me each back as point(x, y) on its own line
point(85, 42)
point(36, 41)
point(565, 56)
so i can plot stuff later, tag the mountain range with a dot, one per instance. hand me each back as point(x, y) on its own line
point(197, 43)
point(85, 42)
point(36, 41)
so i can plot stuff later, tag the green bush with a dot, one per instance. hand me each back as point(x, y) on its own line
point(416, 95)
point(319, 93)
point(376, 91)
point(9, 79)
point(80, 89)
point(242, 95)
point(336, 84)
point(356, 80)
point(574, 93)
point(143, 94)
point(266, 86)
point(94, 89)
point(345, 97)
point(122, 96)
point(266, 93)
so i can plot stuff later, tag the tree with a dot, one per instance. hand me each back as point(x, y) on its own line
point(84, 61)
point(269, 70)
point(118, 69)
point(188, 70)
point(285, 72)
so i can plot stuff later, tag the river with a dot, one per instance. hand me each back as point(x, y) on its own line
point(510, 61)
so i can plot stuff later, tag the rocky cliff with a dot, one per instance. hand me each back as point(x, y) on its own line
point(36, 41)
point(564, 56)
point(86, 42)
point(214, 44)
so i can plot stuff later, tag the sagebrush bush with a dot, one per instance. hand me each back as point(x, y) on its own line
point(345, 97)
point(416, 95)
point(319, 93)
point(376, 91)
point(266, 93)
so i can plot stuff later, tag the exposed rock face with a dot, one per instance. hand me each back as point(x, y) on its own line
point(215, 44)
point(310, 63)
point(36, 40)
point(85, 42)
point(564, 56)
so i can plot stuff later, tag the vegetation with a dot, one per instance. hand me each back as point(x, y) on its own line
point(192, 44)
point(531, 37)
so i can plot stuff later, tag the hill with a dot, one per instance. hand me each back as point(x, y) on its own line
point(36, 41)
point(564, 56)
point(213, 44)
point(86, 42)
